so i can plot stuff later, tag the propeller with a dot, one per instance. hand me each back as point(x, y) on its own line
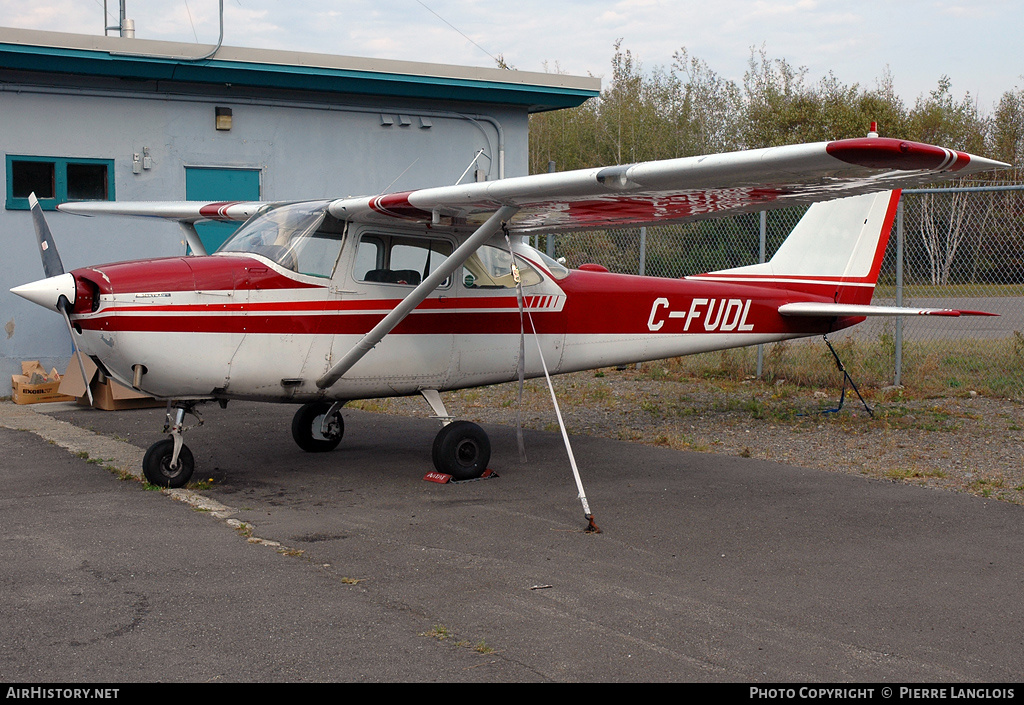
point(52, 267)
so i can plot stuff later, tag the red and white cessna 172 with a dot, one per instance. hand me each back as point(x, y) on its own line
point(321, 302)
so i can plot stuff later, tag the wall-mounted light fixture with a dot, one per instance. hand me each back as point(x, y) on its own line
point(223, 118)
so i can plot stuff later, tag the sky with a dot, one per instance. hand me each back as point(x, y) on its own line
point(974, 42)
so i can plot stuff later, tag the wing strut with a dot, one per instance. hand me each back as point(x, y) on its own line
point(192, 238)
point(417, 295)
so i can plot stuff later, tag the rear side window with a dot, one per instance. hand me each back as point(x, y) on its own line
point(491, 268)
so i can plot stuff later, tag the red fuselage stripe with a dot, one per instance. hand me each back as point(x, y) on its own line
point(592, 303)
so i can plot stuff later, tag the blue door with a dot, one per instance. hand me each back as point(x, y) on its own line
point(220, 184)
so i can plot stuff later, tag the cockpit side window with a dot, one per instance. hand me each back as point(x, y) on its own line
point(399, 259)
point(319, 252)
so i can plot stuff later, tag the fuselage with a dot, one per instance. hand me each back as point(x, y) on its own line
point(242, 325)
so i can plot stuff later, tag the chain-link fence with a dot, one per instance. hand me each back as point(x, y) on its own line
point(950, 248)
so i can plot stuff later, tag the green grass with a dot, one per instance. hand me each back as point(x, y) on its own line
point(930, 368)
point(909, 475)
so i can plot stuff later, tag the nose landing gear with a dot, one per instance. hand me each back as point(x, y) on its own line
point(169, 463)
point(163, 469)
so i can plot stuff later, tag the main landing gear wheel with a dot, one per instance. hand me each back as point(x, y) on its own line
point(157, 467)
point(318, 427)
point(462, 450)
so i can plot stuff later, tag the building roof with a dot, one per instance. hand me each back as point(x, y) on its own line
point(144, 59)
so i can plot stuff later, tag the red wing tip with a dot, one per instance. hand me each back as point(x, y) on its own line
point(888, 153)
point(955, 312)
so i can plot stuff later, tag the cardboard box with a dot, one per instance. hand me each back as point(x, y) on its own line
point(107, 394)
point(35, 386)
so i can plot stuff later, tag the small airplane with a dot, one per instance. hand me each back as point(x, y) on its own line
point(322, 302)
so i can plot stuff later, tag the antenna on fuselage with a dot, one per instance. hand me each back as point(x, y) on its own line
point(471, 163)
point(387, 189)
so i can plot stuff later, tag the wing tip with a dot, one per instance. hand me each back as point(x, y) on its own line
point(889, 153)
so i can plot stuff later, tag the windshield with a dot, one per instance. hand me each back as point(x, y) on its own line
point(301, 237)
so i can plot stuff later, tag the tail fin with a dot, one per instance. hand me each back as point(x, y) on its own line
point(835, 250)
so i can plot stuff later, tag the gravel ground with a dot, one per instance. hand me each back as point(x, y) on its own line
point(969, 444)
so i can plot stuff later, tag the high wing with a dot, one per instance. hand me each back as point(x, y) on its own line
point(182, 211)
point(664, 191)
point(187, 213)
point(676, 190)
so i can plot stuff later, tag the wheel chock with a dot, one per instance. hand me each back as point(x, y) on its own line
point(444, 478)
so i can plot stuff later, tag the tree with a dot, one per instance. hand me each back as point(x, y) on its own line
point(688, 109)
point(940, 119)
point(1007, 128)
point(707, 112)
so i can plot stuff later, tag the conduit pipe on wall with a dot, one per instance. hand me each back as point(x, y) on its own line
point(474, 118)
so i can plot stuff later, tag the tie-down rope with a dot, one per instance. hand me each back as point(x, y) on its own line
point(591, 526)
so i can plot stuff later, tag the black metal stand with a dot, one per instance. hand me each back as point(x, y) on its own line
point(846, 378)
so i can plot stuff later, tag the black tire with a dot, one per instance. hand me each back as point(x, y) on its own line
point(156, 465)
point(462, 450)
point(307, 427)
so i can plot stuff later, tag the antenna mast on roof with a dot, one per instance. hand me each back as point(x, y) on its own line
point(126, 26)
point(127, 30)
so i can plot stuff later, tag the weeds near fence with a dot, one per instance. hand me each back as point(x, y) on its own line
point(931, 368)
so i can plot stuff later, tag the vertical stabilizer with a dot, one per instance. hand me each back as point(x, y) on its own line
point(836, 250)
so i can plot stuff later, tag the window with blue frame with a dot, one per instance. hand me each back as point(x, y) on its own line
point(57, 180)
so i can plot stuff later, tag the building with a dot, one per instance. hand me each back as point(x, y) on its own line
point(91, 117)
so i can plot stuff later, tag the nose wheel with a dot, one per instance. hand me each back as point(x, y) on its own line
point(169, 463)
point(162, 469)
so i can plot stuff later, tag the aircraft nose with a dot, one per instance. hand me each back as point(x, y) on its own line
point(48, 292)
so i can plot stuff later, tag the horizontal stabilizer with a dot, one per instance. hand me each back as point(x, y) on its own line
point(810, 308)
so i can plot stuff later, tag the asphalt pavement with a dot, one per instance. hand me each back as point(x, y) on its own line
point(349, 566)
